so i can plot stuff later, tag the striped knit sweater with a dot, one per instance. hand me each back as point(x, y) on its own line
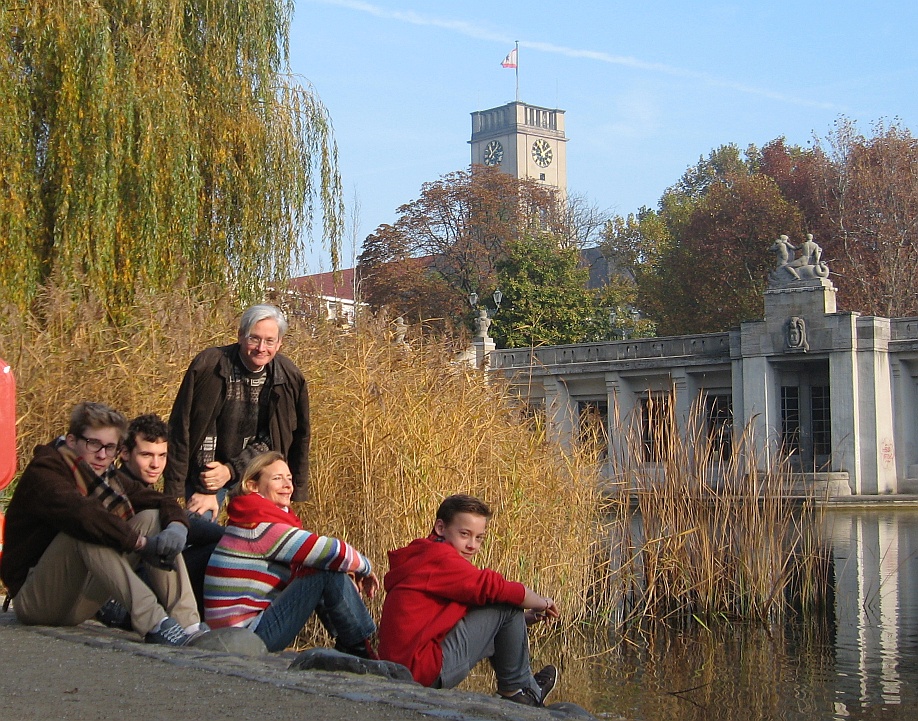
point(251, 566)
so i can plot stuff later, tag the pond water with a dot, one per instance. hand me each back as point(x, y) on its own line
point(858, 662)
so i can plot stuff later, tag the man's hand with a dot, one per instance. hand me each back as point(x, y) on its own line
point(162, 549)
point(171, 540)
point(202, 503)
point(216, 476)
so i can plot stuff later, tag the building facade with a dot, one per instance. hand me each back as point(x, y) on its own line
point(834, 391)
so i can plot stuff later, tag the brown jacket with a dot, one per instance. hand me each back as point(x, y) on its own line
point(47, 502)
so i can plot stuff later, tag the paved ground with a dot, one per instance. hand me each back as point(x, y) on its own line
point(92, 672)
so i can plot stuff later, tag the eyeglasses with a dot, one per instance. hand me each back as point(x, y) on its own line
point(94, 445)
point(255, 341)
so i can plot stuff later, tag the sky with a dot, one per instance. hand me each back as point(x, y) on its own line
point(647, 88)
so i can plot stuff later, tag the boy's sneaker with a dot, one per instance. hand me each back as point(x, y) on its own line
point(546, 679)
point(170, 633)
point(525, 696)
point(364, 649)
point(114, 615)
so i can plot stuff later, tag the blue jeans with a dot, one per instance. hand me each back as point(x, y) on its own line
point(344, 612)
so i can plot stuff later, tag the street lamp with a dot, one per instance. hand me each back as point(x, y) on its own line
point(497, 297)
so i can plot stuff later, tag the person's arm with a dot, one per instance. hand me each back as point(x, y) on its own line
point(298, 454)
point(538, 607)
point(179, 430)
point(305, 548)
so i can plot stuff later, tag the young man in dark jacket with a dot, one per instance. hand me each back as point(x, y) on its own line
point(76, 530)
point(236, 402)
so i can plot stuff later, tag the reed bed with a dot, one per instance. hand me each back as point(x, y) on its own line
point(395, 429)
point(708, 535)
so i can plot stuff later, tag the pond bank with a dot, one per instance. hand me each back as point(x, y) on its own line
point(94, 672)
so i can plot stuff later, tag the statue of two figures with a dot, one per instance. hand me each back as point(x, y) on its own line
point(807, 266)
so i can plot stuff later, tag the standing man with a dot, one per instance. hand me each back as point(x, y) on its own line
point(76, 531)
point(235, 402)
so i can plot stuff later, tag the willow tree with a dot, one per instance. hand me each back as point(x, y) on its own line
point(144, 140)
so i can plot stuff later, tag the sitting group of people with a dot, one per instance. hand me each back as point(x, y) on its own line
point(86, 536)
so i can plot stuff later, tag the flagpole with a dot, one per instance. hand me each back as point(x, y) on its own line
point(517, 70)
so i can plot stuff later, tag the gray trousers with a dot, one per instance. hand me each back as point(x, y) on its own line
point(497, 633)
point(74, 578)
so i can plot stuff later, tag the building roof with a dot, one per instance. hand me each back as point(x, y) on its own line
point(338, 285)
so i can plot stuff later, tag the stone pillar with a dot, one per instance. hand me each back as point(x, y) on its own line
point(875, 428)
point(560, 412)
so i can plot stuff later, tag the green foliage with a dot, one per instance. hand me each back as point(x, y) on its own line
point(546, 301)
point(145, 140)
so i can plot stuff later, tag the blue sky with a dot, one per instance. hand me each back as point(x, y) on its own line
point(647, 87)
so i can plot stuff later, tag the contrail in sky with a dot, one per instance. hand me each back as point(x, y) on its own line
point(473, 31)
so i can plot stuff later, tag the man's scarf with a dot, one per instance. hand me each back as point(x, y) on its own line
point(253, 508)
point(107, 488)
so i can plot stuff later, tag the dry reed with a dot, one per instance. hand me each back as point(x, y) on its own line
point(395, 429)
point(709, 535)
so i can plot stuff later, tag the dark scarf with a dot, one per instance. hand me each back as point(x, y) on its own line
point(107, 488)
point(253, 508)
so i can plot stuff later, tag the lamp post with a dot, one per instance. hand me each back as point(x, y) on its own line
point(497, 297)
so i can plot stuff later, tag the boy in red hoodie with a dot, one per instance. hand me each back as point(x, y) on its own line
point(442, 615)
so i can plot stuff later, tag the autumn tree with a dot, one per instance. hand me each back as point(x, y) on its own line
point(700, 261)
point(869, 191)
point(447, 243)
point(142, 141)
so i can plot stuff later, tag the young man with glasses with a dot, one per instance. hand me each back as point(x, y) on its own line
point(236, 402)
point(76, 530)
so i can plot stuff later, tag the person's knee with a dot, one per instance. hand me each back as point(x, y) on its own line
point(146, 522)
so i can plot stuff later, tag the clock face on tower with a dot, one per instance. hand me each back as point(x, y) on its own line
point(541, 153)
point(493, 153)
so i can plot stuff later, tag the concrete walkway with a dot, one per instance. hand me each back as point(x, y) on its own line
point(93, 672)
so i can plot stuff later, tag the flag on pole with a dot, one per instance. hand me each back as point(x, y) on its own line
point(510, 60)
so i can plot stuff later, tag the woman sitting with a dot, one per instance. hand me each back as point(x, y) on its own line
point(269, 575)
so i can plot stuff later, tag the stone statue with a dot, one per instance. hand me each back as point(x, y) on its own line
point(482, 323)
point(401, 329)
point(796, 335)
point(807, 267)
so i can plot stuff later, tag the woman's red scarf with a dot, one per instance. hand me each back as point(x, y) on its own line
point(253, 508)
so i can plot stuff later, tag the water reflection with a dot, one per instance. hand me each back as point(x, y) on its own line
point(860, 661)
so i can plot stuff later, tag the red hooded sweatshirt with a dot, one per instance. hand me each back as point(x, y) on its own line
point(429, 589)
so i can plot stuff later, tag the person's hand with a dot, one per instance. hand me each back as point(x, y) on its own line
point(202, 503)
point(149, 552)
point(368, 585)
point(171, 540)
point(216, 476)
point(162, 549)
point(543, 613)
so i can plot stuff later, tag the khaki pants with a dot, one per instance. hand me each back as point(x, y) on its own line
point(74, 578)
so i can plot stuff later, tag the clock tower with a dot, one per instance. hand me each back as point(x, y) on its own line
point(525, 141)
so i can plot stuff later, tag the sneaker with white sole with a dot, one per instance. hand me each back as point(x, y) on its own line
point(546, 679)
point(170, 633)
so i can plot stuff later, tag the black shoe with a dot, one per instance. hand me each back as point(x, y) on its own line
point(362, 650)
point(170, 633)
point(547, 678)
point(525, 696)
point(114, 615)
